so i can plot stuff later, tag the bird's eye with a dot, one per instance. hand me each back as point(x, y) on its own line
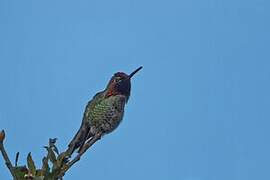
point(117, 79)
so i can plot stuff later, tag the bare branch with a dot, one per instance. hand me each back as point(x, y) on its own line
point(86, 146)
point(5, 155)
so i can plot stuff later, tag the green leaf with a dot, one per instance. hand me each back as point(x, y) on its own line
point(20, 171)
point(31, 164)
point(39, 172)
point(38, 178)
point(55, 149)
point(45, 166)
point(51, 155)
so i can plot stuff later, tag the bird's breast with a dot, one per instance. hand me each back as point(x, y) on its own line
point(108, 113)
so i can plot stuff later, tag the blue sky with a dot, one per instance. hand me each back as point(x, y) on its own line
point(199, 109)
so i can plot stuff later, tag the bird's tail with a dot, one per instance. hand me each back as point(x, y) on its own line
point(79, 139)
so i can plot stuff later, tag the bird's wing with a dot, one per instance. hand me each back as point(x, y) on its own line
point(91, 105)
point(83, 132)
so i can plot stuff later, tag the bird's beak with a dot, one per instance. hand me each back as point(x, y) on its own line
point(134, 72)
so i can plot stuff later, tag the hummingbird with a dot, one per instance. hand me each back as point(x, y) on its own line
point(105, 111)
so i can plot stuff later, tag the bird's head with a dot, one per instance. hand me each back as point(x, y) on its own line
point(120, 84)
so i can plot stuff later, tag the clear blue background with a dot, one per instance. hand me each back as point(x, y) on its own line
point(199, 109)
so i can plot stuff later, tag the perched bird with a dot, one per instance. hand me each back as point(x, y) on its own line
point(105, 111)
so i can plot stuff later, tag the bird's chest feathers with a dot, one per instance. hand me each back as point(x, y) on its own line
point(109, 108)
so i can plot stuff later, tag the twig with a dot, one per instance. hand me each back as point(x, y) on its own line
point(5, 155)
point(17, 158)
point(86, 146)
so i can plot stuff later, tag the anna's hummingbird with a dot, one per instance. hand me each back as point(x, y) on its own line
point(105, 111)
